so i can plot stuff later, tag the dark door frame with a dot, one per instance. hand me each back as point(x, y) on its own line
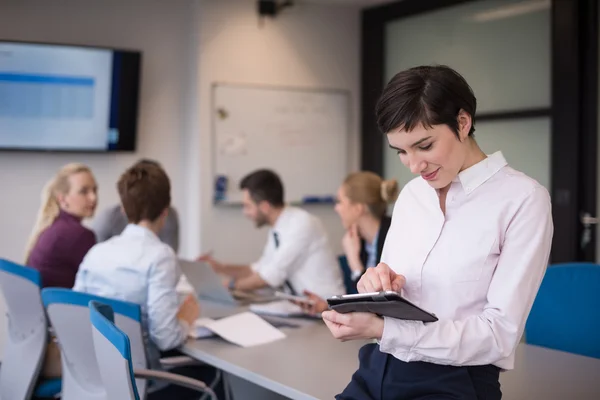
point(574, 126)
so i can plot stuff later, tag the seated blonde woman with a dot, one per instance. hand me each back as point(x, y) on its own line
point(59, 241)
point(362, 202)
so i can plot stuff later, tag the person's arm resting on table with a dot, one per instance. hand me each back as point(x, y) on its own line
point(231, 270)
point(494, 334)
point(249, 283)
point(235, 271)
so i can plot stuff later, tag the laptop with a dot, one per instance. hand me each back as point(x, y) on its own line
point(208, 285)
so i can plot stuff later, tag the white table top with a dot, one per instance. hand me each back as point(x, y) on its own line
point(310, 364)
point(542, 373)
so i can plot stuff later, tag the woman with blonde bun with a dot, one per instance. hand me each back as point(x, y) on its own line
point(362, 203)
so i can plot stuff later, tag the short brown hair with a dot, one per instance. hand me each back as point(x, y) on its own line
point(145, 192)
point(264, 185)
point(427, 95)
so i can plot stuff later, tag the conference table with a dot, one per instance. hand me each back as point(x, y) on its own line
point(310, 364)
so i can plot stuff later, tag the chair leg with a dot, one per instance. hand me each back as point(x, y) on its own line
point(226, 387)
point(214, 383)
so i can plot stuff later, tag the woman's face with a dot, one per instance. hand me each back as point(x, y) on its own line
point(81, 199)
point(435, 153)
point(348, 211)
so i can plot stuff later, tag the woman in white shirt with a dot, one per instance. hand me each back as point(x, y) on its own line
point(469, 241)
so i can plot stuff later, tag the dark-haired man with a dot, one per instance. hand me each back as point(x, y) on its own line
point(297, 255)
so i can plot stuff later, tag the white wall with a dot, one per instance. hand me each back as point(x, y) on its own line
point(187, 45)
point(161, 33)
point(307, 46)
point(460, 37)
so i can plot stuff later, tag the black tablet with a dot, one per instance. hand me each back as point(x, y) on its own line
point(388, 304)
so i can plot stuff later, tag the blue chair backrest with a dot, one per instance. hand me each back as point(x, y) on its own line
point(565, 315)
point(68, 312)
point(113, 354)
point(27, 330)
point(347, 274)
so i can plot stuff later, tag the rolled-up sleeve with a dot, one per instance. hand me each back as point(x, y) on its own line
point(166, 331)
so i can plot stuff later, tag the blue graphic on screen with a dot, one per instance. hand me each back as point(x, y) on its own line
point(46, 96)
point(55, 97)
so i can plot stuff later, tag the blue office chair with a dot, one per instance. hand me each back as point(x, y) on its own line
point(68, 312)
point(27, 335)
point(113, 354)
point(347, 275)
point(565, 315)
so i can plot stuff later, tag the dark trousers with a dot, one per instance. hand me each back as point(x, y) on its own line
point(382, 376)
point(204, 373)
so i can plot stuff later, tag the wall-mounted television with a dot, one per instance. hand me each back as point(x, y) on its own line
point(68, 98)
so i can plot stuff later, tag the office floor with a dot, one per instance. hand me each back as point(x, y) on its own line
point(244, 390)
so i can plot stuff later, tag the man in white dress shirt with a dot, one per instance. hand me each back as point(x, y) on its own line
point(297, 255)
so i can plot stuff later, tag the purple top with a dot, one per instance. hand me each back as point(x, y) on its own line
point(60, 249)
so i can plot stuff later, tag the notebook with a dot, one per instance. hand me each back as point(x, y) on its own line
point(244, 329)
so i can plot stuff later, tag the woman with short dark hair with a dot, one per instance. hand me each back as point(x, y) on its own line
point(469, 241)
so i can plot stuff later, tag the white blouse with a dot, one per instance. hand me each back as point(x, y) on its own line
point(478, 267)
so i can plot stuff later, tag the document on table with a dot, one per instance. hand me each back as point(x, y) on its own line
point(245, 329)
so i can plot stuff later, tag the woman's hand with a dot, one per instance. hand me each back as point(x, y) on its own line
point(380, 278)
point(353, 326)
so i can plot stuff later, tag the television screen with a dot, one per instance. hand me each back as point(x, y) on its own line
point(67, 98)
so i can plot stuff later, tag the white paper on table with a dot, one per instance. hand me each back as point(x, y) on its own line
point(200, 330)
point(245, 329)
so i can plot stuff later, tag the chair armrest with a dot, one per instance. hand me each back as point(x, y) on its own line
point(179, 361)
point(175, 379)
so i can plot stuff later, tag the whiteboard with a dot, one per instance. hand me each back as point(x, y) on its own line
point(300, 134)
